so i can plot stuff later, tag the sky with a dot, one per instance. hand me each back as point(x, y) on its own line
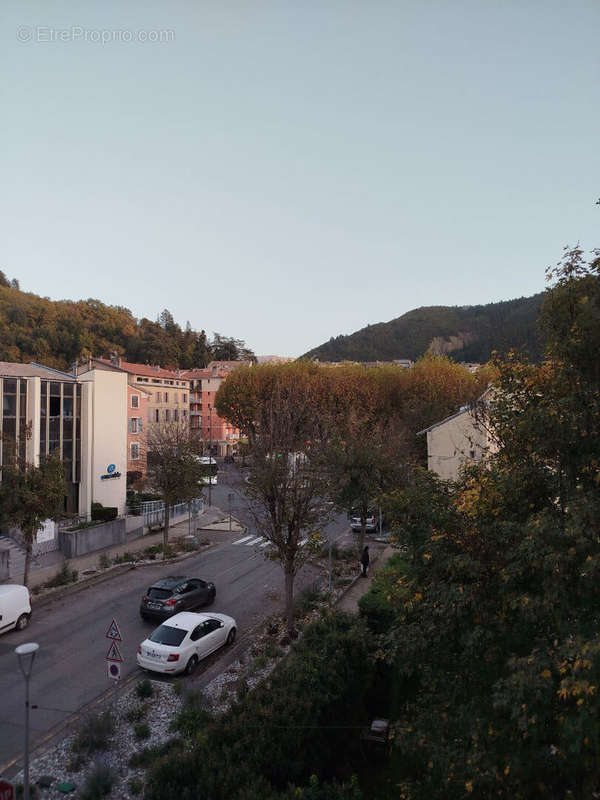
point(287, 171)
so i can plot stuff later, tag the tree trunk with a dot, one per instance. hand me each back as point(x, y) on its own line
point(289, 600)
point(28, 548)
point(166, 529)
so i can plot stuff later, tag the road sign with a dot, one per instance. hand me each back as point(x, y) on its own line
point(114, 653)
point(7, 790)
point(113, 631)
point(113, 671)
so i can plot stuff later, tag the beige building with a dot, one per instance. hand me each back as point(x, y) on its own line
point(168, 391)
point(455, 442)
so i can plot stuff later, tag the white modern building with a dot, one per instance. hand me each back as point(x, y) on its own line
point(83, 419)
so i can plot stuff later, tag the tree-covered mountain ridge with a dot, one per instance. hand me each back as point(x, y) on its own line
point(58, 333)
point(465, 333)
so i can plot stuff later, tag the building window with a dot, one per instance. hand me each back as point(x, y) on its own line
point(156, 417)
point(167, 415)
point(184, 414)
point(185, 398)
point(135, 425)
point(135, 401)
point(166, 397)
point(176, 415)
point(134, 451)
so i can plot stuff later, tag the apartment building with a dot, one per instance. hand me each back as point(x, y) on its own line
point(219, 436)
point(137, 428)
point(168, 391)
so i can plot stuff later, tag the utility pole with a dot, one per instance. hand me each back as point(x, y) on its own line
point(209, 456)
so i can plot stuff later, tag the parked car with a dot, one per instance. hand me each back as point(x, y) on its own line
point(169, 596)
point(181, 642)
point(371, 526)
point(15, 607)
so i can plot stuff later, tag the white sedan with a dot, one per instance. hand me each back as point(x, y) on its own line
point(182, 641)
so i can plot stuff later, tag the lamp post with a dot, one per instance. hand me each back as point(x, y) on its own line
point(26, 654)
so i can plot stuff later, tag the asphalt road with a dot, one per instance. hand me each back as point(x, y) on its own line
point(70, 667)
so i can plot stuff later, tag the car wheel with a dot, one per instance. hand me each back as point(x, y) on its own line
point(231, 636)
point(22, 622)
point(191, 665)
point(145, 617)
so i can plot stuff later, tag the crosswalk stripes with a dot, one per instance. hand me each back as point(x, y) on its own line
point(260, 541)
point(245, 539)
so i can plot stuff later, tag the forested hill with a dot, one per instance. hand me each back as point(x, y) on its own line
point(57, 333)
point(466, 333)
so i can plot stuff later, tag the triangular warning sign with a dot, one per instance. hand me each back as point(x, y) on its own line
point(113, 631)
point(114, 653)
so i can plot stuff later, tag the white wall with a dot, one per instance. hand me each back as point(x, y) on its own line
point(103, 439)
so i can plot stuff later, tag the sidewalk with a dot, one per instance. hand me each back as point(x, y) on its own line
point(50, 563)
point(349, 600)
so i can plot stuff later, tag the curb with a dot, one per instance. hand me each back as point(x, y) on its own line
point(59, 592)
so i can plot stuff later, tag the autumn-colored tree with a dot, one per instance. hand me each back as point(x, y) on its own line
point(276, 406)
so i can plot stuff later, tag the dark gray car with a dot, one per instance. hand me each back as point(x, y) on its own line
point(171, 595)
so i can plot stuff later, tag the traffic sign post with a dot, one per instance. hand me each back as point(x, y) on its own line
point(7, 790)
point(114, 659)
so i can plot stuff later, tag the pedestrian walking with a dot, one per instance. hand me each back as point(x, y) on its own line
point(364, 562)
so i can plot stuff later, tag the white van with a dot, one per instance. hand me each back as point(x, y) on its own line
point(15, 607)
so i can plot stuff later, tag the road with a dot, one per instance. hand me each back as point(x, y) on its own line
point(70, 667)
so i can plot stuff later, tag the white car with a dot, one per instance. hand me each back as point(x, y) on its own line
point(370, 526)
point(182, 641)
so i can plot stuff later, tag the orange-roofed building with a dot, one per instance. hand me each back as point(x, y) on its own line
point(220, 437)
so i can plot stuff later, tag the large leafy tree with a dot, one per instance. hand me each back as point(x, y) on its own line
point(29, 495)
point(277, 409)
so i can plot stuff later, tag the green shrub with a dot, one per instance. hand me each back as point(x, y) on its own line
point(150, 755)
point(141, 730)
point(136, 713)
point(94, 734)
point(99, 783)
point(124, 558)
point(104, 513)
point(104, 561)
point(135, 786)
point(144, 689)
point(193, 716)
point(308, 599)
point(63, 577)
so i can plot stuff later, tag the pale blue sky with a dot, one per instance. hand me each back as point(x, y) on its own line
point(288, 171)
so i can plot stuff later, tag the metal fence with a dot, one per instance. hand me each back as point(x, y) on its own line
point(153, 513)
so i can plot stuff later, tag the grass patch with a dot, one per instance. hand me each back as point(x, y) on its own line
point(141, 730)
point(149, 755)
point(137, 713)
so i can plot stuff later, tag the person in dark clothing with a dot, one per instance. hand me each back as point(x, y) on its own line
point(364, 562)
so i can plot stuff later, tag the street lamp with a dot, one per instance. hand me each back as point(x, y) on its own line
point(26, 654)
point(209, 456)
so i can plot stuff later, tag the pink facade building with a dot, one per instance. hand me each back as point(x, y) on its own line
point(137, 415)
point(217, 434)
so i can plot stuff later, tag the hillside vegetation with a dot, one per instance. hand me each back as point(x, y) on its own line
point(58, 333)
point(466, 333)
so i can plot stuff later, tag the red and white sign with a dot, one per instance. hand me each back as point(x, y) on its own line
point(114, 654)
point(7, 790)
point(113, 632)
point(113, 670)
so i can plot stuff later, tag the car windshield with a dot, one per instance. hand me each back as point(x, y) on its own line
point(159, 594)
point(168, 635)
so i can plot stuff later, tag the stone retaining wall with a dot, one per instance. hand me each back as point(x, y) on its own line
point(88, 540)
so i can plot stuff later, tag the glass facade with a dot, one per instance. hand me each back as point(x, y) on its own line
point(60, 426)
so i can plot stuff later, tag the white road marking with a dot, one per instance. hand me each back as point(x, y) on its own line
point(245, 539)
point(254, 541)
point(303, 542)
point(265, 544)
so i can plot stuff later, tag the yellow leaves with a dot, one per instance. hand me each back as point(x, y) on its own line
point(430, 765)
point(580, 701)
point(546, 674)
point(507, 769)
point(427, 556)
point(469, 786)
